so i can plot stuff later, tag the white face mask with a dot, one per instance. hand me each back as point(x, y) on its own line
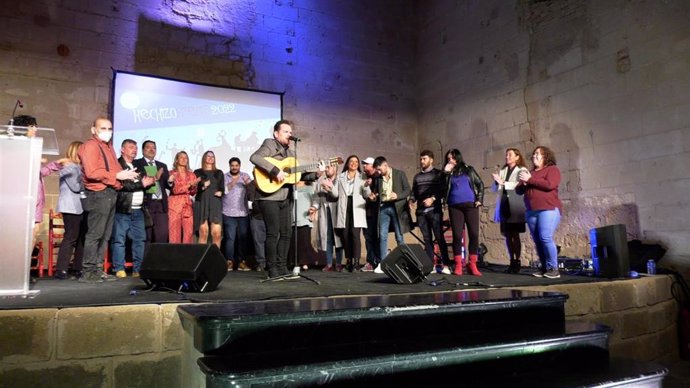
point(105, 136)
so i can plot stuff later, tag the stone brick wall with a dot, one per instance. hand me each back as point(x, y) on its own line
point(116, 346)
point(641, 312)
point(605, 84)
point(346, 68)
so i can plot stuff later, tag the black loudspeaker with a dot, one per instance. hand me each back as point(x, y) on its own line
point(188, 267)
point(610, 256)
point(407, 264)
point(640, 253)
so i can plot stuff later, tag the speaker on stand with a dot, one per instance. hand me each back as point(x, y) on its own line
point(183, 267)
point(610, 256)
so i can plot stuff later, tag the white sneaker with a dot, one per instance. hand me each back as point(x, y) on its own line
point(295, 271)
point(378, 269)
point(445, 270)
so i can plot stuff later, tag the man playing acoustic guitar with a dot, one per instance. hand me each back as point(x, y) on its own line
point(277, 205)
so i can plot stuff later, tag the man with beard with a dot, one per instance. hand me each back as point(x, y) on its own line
point(236, 215)
point(390, 192)
point(427, 191)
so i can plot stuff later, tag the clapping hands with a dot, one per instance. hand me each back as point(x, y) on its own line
point(125, 175)
point(148, 181)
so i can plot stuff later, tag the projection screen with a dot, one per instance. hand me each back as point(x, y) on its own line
point(192, 117)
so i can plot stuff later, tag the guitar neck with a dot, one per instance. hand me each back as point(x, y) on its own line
point(304, 167)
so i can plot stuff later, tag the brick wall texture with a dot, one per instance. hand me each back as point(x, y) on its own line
point(605, 84)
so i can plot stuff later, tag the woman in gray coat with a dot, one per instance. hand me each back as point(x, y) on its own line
point(69, 204)
point(510, 206)
point(352, 215)
point(324, 212)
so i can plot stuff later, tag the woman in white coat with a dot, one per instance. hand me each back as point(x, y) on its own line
point(352, 215)
point(510, 207)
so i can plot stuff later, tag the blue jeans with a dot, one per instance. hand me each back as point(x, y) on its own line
point(132, 226)
point(542, 225)
point(235, 229)
point(388, 215)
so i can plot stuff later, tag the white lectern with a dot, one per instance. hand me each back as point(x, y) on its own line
point(20, 163)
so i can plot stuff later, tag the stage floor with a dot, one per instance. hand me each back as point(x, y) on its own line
point(241, 286)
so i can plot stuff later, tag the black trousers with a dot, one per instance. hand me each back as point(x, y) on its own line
point(278, 221)
point(431, 225)
point(304, 251)
point(461, 215)
point(350, 235)
point(100, 206)
point(72, 241)
point(159, 231)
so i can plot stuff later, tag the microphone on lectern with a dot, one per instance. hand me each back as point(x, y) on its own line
point(16, 104)
point(10, 129)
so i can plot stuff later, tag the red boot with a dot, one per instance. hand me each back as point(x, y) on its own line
point(472, 266)
point(458, 265)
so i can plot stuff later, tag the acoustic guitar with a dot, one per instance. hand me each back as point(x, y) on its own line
point(293, 172)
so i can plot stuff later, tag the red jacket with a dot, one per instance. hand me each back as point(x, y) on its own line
point(541, 191)
point(96, 176)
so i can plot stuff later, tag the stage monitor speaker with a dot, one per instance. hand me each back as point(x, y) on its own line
point(610, 256)
point(183, 267)
point(641, 252)
point(407, 264)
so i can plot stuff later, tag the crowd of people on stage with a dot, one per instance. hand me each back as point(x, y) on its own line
point(122, 204)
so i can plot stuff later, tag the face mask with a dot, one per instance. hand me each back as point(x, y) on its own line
point(105, 136)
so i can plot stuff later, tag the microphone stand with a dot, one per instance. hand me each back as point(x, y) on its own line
point(299, 274)
point(10, 128)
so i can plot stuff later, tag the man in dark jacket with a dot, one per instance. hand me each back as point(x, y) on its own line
point(156, 197)
point(391, 191)
point(428, 191)
point(129, 216)
point(276, 206)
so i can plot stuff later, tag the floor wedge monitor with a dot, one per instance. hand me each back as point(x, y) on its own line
point(183, 267)
point(407, 264)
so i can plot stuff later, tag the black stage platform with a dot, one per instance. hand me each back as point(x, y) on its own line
point(242, 286)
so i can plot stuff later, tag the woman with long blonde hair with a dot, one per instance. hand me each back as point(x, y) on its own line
point(183, 184)
point(69, 204)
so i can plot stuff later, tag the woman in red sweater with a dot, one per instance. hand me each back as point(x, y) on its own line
point(540, 187)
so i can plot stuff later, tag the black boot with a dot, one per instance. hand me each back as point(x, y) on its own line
point(272, 267)
point(514, 266)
